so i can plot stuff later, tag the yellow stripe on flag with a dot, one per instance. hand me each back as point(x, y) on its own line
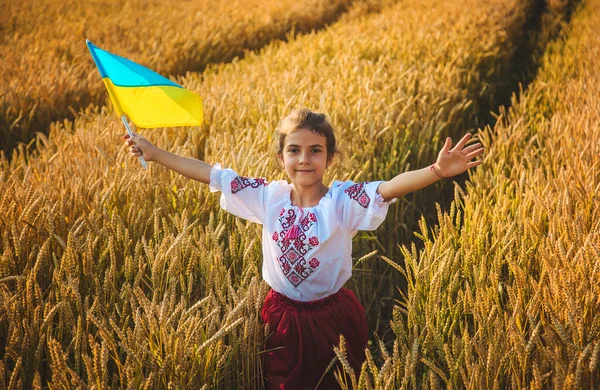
point(156, 106)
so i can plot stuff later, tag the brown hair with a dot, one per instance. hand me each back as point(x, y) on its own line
point(306, 119)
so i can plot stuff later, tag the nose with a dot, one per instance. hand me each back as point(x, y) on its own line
point(303, 158)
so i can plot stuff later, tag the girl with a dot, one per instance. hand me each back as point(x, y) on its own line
point(307, 240)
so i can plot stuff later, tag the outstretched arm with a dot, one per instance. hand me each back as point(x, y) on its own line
point(449, 163)
point(186, 166)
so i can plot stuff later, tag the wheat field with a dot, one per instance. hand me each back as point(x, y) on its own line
point(116, 277)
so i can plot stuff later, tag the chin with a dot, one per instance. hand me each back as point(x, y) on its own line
point(305, 181)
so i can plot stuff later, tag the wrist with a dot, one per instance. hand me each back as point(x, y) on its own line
point(437, 171)
point(153, 153)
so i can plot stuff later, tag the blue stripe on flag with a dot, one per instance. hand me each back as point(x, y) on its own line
point(126, 73)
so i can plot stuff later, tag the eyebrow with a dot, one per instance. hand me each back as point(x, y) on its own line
point(312, 146)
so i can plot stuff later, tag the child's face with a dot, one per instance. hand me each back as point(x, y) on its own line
point(304, 157)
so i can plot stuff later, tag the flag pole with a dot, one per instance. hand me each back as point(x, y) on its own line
point(141, 158)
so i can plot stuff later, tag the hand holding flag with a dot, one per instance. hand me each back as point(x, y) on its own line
point(139, 146)
point(148, 98)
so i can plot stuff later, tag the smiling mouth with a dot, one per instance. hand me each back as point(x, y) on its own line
point(304, 171)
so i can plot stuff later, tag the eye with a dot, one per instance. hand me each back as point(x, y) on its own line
point(316, 150)
point(293, 150)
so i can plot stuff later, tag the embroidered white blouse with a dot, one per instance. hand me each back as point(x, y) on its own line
point(307, 252)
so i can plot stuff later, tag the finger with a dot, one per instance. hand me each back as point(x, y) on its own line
point(471, 148)
point(474, 164)
point(126, 136)
point(462, 142)
point(474, 154)
point(447, 145)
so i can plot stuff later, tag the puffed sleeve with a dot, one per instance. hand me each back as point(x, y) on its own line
point(359, 206)
point(241, 196)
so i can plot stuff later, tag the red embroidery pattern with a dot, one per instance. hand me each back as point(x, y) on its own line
point(241, 182)
point(293, 264)
point(357, 192)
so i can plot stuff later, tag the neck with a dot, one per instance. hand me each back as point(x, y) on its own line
point(307, 196)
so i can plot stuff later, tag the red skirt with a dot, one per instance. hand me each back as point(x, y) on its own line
point(307, 331)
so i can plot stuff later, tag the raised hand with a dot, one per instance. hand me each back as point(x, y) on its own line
point(452, 162)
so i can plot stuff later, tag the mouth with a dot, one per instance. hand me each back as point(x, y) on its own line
point(304, 171)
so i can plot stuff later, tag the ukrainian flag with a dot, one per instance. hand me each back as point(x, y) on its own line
point(149, 99)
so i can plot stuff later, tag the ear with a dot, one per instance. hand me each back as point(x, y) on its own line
point(280, 159)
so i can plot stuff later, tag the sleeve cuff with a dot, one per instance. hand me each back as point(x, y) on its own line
point(216, 174)
point(379, 198)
